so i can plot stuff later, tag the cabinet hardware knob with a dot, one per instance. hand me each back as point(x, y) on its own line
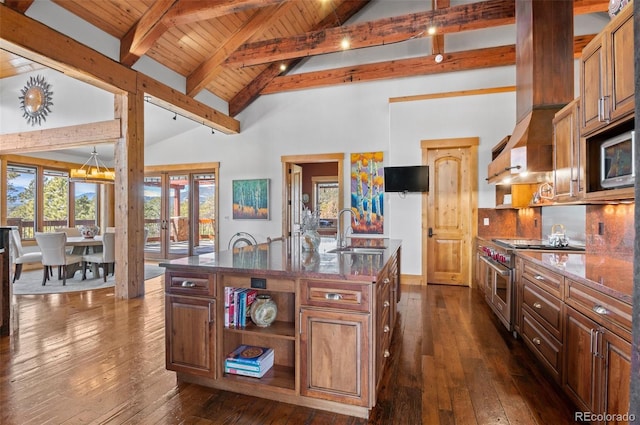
point(188, 284)
point(537, 305)
point(600, 309)
point(536, 341)
point(333, 296)
point(386, 328)
point(538, 277)
point(386, 353)
point(386, 304)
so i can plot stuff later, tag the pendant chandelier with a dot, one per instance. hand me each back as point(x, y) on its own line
point(92, 171)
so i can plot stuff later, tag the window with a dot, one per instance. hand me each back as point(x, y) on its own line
point(325, 196)
point(86, 203)
point(21, 199)
point(55, 207)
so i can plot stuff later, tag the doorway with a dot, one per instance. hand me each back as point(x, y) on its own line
point(180, 213)
point(450, 213)
point(297, 185)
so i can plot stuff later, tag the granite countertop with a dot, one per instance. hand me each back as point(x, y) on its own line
point(286, 258)
point(607, 274)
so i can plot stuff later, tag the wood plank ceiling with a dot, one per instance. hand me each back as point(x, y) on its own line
point(239, 49)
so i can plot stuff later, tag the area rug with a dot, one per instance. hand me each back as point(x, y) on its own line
point(30, 282)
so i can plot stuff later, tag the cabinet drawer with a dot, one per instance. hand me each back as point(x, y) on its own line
point(258, 282)
point(544, 278)
point(186, 283)
point(546, 308)
point(333, 294)
point(602, 308)
point(542, 343)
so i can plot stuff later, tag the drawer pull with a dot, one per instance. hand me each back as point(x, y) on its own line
point(600, 310)
point(539, 277)
point(386, 328)
point(386, 303)
point(333, 296)
point(537, 305)
point(188, 284)
point(386, 353)
point(536, 341)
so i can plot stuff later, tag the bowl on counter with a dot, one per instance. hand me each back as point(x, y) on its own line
point(89, 232)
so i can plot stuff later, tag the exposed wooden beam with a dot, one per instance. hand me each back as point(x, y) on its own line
point(209, 69)
point(139, 39)
point(60, 138)
point(171, 99)
point(376, 33)
point(453, 61)
point(199, 10)
point(249, 93)
point(20, 6)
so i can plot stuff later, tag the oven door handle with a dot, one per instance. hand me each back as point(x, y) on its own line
point(496, 266)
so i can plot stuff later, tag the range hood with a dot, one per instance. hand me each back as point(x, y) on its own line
point(544, 85)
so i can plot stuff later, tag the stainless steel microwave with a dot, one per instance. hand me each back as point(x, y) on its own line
point(617, 164)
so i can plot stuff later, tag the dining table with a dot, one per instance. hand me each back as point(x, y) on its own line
point(81, 245)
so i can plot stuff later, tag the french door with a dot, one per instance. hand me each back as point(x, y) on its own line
point(180, 213)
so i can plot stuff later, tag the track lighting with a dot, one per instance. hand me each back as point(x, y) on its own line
point(175, 114)
point(175, 117)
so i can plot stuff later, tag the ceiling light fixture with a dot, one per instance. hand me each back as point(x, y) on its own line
point(345, 43)
point(283, 67)
point(431, 30)
point(92, 171)
point(175, 116)
point(439, 58)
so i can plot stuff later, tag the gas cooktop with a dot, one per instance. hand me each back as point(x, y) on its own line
point(534, 244)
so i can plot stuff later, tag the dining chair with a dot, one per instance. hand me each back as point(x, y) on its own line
point(70, 231)
point(19, 256)
point(102, 259)
point(53, 248)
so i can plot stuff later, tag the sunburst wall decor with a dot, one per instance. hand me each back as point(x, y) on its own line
point(36, 100)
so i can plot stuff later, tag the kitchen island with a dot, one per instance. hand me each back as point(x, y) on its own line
point(332, 331)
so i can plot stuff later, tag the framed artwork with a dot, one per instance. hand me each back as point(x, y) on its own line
point(367, 195)
point(251, 199)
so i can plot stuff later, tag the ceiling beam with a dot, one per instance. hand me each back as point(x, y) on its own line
point(209, 69)
point(20, 6)
point(60, 138)
point(395, 29)
point(188, 11)
point(342, 13)
point(426, 65)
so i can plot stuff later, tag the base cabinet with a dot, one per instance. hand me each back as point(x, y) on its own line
point(335, 356)
point(190, 335)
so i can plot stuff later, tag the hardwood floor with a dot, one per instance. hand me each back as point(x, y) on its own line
point(88, 358)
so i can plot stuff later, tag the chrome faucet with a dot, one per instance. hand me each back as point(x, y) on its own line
point(341, 238)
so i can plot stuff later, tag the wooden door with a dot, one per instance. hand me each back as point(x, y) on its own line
point(580, 363)
point(334, 356)
point(295, 195)
point(593, 73)
point(614, 387)
point(190, 335)
point(449, 219)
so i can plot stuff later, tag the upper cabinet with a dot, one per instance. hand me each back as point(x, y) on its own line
point(607, 78)
point(568, 161)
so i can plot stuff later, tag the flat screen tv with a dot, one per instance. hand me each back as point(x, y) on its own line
point(406, 179)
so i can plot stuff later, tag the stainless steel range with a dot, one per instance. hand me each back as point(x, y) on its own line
point(497, 259)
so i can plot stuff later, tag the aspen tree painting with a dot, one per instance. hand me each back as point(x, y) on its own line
point(367, 194)
point(251, 199)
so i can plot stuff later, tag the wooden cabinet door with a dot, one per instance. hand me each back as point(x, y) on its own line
point(566, 153)
point(614, 387)
point(620, 68)
point(580, 363)
point(190, 335)
point(334, 356)
point(593, 74)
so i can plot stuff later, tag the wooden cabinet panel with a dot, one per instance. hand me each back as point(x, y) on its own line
point(190, 335)
point(544, 278)
point(616, 361)
point(607, 75)
point(543, 344)
point(336, 294)
point(546, 308)
point(192, 284)
point(334, 356)
point(568, 169)
point(580, 362)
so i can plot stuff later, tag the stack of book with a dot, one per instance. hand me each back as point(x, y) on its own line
point(237, 303)
point(249, 360)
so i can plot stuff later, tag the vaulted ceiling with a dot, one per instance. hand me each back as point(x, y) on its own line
point(240, 49)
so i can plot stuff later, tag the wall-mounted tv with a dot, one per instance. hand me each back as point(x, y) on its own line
point(406, 179)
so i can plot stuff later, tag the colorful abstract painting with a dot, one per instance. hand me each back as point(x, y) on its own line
point(367, 196)
point(251, 199)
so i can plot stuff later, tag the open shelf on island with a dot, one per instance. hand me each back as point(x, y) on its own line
point(278, 376)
